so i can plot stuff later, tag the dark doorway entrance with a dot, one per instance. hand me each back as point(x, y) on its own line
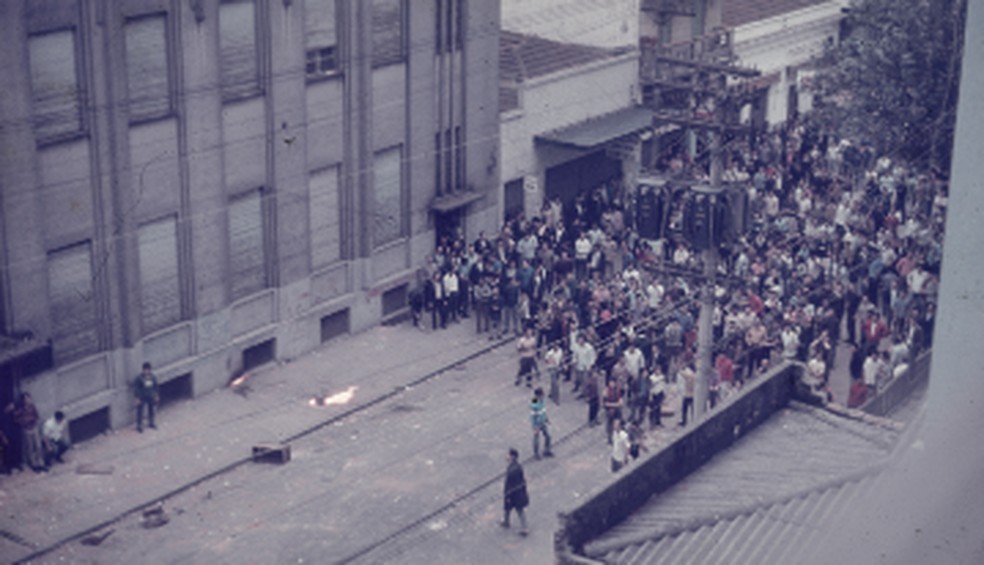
point(579, 176)
point(449, 225)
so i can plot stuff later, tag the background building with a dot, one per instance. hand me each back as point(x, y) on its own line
point(782, 40)
point(212, 185)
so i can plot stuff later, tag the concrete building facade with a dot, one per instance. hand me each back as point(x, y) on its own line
point(210, 185)
point(549, 86)
point(782, 41)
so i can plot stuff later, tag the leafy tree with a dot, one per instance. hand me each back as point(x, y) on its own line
point(894, 77)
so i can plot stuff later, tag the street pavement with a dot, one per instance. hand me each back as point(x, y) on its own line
point(397, 474)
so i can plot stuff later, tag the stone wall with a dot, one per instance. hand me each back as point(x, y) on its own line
point(899, 390)
point(610, 504)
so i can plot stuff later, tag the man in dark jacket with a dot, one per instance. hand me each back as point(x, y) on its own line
point(514, 493)
point(146, 394)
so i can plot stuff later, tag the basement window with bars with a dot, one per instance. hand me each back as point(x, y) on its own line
point(320, 38)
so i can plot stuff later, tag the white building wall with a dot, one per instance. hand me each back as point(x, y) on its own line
point(602, 23)
point(556, 101)
point(783, 43)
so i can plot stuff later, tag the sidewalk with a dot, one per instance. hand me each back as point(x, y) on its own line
point(121, 471)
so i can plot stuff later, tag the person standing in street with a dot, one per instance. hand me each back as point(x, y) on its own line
point(515, 496)
point(688, 381)
point(26, 416)
point(145, 391)
point(55, 439)
point(620, 446)
point(540, 424)
point(594, 397)
point(553, 359)
point(657, 390)
point(526, 347)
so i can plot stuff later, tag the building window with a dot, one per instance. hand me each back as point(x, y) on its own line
point(238, 51)
point(320, 38)
point(387, 32)
point(449, 22)
point(388, 192)
point(459, 158)
point(74, 332)
point(160, 296)
point(247, 245)
point(324, 217)
point(448, 156)
point(147, 73)
point(55, 88)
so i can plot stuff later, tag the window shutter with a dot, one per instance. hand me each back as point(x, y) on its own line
point(146, 67)
point(324, 218)
point(247, 255)
point(238, 56)
point(388, 214)
point(319, 24)
point(73, 309)
point(159, 286)
point(387, 32)
point(54, 84)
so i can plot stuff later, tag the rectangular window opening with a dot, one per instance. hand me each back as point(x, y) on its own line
point(178, 388)
point(387, 32)
point(239, 69)
point(147, 71)
point(335, 325)
point(320, 38)
point(259, 354)
point(394, 300)
point(55, 87)
point(89, 426)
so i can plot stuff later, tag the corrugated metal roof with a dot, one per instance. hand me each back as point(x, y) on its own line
point(600, 129)
point(762, 501)
point(739, 12)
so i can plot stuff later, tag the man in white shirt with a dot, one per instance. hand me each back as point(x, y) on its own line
point(54, 438)
point(583, 357)
point(634, 361)
point(620, 446)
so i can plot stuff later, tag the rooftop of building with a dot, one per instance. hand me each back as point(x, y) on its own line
point(759, 501)
point(523, 57)
point(735, 13)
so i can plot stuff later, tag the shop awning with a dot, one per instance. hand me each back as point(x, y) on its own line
point(597, 131)
point(447, 202)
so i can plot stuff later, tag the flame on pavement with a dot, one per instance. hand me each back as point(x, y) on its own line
point(338, 398)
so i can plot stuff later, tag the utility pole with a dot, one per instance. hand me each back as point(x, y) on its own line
point(705, 327)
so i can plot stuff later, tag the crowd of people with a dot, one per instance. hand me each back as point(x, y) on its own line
point(843, 245)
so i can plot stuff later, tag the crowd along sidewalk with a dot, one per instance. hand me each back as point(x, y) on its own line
point(124, 471)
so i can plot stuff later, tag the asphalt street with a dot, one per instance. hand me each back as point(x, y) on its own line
point(398, 474)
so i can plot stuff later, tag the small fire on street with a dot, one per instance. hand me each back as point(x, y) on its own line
point(342, 397)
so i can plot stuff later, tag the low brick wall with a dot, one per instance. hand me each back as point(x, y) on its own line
point(899, 390)
point(632, 487)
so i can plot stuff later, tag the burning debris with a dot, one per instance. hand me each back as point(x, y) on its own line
point(239, 385)
point(338, 398)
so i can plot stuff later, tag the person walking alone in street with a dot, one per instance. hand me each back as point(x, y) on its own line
point(515, 496)
point(145, 391)
point(540, 423)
